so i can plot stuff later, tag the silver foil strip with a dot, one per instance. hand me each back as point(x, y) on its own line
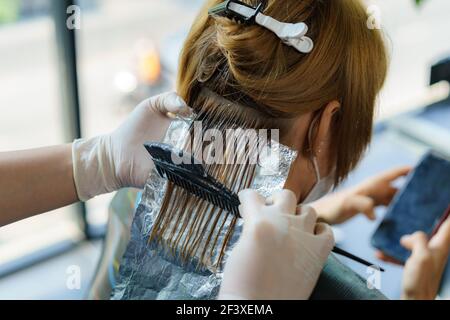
point(149, 272)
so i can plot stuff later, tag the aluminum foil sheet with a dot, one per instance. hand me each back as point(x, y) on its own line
point(147, 271)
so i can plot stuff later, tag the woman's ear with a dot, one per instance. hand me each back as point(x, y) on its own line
point(325, 122)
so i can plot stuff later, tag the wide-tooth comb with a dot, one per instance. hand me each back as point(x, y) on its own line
point(189, 174)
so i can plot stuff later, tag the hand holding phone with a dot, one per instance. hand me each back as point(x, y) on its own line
point(426, 265)
point(419, 209)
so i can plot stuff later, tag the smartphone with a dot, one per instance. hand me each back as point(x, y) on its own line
point(420, 205)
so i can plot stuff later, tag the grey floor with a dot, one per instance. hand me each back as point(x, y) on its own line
point(51, 279)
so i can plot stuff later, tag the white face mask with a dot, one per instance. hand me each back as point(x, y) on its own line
point(322, 187)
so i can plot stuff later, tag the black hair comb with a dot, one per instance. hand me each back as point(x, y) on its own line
point(224, 10)
point(188, 173)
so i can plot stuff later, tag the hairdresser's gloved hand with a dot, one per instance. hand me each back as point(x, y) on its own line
point(424, 268)
point(377, 191)
point(117, 160)
point(280, 253)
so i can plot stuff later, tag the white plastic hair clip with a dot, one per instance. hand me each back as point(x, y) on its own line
point(292, 34)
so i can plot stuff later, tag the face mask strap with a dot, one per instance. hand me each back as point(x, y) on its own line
point(316, 168)
point(312, 127)
point(313, 156)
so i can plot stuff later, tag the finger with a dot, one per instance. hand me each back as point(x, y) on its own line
point(363, 204)
point(168, 102)
point(418, 245)
point(251, 203)
point(442, 238)
point(387, 199)
point(284, 200)
point(384, 257)
point(306, 219)
point(393, 174)
point(417, 242)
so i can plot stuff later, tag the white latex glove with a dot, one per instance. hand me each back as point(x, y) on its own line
point(280, 254)
point(107, 163)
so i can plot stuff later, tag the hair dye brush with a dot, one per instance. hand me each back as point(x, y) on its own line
point(185, 171)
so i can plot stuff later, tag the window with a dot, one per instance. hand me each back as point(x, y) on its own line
point(31, 115)
point(127, 52)
point(418, 37)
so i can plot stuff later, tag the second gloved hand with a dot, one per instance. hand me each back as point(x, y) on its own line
point(280, 253)
point(107, 163)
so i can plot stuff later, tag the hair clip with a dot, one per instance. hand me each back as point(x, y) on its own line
point(292, 34)
point(245, 14)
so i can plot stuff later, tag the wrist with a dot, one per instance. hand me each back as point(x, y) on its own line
point(360, 189)
point(93, 170)
point(322, 210)
point(328, 208)
point(332, 208)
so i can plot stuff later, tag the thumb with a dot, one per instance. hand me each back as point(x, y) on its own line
point(285, 200)
point(168, 102)
point(362, 204)
point(416, 242)
point(442, 238)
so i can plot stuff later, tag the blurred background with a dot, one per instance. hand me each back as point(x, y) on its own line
point(124, 52)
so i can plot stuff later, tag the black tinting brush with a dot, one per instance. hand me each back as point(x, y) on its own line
point(185, 171)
